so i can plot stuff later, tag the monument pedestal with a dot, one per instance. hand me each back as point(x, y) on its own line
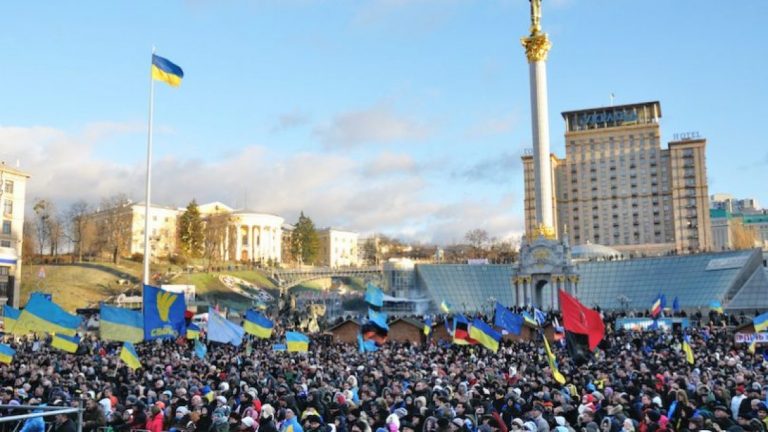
point(545, 267)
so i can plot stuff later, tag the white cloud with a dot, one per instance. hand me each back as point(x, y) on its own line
point(291, 120)
point(388, 192)
point(378, 124)
point(493, 126)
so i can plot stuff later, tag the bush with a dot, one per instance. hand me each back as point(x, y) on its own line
point(179, 260)
point(137, 257)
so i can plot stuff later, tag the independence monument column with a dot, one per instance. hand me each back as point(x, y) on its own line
point(537, 46)
point(545, 261)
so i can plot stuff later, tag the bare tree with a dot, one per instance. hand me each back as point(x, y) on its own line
point(77, 226)
point(215, 231)
point(29, 241)
point(43, 213)
point(743, 237)
point(56, 234)
point(114, 225)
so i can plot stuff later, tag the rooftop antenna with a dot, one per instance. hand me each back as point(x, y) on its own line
point(612, 97)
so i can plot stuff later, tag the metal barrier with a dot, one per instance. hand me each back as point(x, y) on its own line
point(43, 411)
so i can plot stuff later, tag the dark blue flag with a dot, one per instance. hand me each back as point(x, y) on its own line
point(676, 305)
point(508, 320)
point(163, 314)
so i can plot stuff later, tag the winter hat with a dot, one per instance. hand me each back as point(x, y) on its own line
point(401, 412)
point(267, 411)
point(560, 420)
point(459, 423)
point(654, 415)
point(248, 422)
point(592, 427)
point(530, 426)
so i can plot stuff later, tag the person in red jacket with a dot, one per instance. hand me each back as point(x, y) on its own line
point(155, 421)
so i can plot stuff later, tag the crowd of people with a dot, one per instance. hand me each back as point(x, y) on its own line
point(635, 382)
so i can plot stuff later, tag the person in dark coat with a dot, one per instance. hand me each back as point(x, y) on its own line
point(64, 424)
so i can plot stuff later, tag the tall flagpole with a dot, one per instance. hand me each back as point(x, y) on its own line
point(147, 203)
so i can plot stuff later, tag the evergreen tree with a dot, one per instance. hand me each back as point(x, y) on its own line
point(191, 231)
point(304, 241)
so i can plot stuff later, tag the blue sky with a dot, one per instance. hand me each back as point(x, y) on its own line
point(406, 117)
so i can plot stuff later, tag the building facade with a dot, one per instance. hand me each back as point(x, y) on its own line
point(12, 199)
point(338, 248)
point(726, 226)
point(246, 235)
point(240, 235)
point(618, 187)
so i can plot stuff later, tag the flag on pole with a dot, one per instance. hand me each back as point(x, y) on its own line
point(445, 307)
point(43, 315)
point(656, 307)
point(716, 306)
point(296, 342)
point(10, 318)
point(200, 349)
point(760, 322)
point(129, 356)
point(223, 330)
point(507, 320)
point(428, 327)
point(6, 354)
point(374, 296)
point(556, 374)
point(163, 314)
point(676, 304)
point(65, 343)
point(753, 346)
point(193, 331)
point(539, 316)
point(164, 70)
point(687, 350)
point(580, 319)
point(258, 325)
point(485, 335)
point(119, 324)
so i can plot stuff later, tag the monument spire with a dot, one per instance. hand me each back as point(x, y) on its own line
point(537, 47)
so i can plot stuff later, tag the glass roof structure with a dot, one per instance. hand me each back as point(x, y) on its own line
point(467, 288)
point(737, 279)
point(696, 280)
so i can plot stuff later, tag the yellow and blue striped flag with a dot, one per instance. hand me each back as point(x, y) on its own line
point(296, 342)
point(164, 70)
point(65, 343)
point(752, 346)
point(119, 324)
point(193, 331)
point(258, 325)
point(10, 319)
point(688, 350)
point(6, 354)
point(42, 315)
point(129, 356)
point(556, 374)
point(428, 327)
point(760, 322)
point(485, 335)
point(445, 307)
point(716, 306)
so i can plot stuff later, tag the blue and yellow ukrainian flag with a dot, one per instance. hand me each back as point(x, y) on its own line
point(258, 325)
point(164, 70)
point(716, 306)
point(296, 342)
point(752, 346)
point(485, 335)
point(556, 374)
point(119, 324)
point(208, 393)
point(687, 350)
point(6, 354)
point(10, 318)
point(428, 327)
point(445, 307)
point(42, 315)
point(65, 343)
point(760, 322)
point(193, 332)
point(129, 356)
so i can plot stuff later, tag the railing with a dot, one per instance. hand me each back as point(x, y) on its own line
point(43, 411)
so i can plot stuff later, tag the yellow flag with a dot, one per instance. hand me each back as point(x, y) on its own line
point(551, 360)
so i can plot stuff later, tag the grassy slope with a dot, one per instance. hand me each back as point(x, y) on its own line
point(78, 286)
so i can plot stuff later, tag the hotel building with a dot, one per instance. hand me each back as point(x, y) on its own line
point(616, 186)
